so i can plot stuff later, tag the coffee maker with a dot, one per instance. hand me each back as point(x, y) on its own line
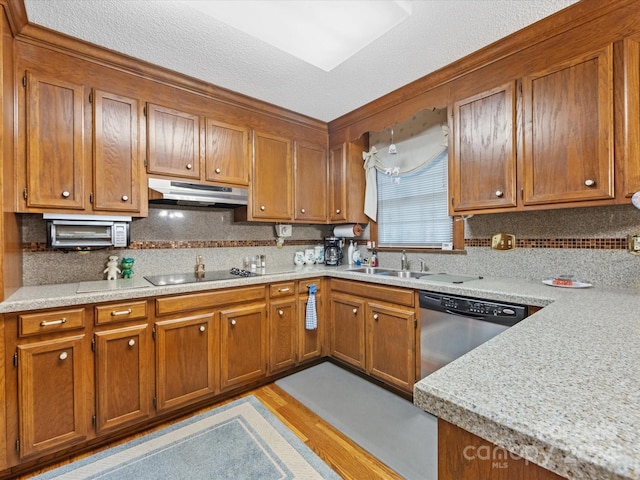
point(332, 251)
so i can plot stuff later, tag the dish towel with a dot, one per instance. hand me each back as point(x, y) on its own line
point(311, 317)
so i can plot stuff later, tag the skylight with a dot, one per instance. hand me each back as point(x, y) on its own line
point(323, 33)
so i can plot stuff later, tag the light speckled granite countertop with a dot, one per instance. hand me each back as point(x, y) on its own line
point(561, 388)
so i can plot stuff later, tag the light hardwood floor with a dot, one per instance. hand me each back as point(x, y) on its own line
point(345, 457)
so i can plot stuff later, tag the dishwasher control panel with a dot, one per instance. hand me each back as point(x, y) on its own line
point(472, 306)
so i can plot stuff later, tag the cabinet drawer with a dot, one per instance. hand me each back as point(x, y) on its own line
point(210, 299)
point(399, 296)
point(303, 285)
point(282, 289)
point(120, 312)
point(50, 322)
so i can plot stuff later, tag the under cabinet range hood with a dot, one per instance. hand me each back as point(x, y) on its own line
point(173, 192)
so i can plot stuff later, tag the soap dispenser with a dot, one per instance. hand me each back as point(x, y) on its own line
point(350, 253)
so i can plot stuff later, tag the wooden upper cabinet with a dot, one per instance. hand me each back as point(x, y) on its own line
point(568, 131)
point(627, 116)
point(55, 143)
point(337, 184)
point(272, 178)
point(226, 153)
point(311, 182)
point(483, 165)
point(117, 168)
point(173, 142)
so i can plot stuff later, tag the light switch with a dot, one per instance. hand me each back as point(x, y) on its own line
point(503, 241)
point(634, 243)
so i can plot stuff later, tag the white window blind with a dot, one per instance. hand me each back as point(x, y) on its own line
point(413, 212)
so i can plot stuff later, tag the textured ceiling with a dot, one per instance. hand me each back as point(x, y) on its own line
point(175, 36)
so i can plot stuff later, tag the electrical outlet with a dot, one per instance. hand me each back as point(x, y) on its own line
point(283, 230)
point(503, 241)
point(634, 243)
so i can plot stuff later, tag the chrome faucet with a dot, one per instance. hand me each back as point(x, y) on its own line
point(404, 261)
point(423, 265)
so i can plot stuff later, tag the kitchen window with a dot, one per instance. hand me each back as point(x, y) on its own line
point(413, 207)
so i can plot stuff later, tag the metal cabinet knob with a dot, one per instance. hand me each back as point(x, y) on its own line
point(302, 210)
point(499, 193)
point(63, 356)
point(202, 329)
point(337, 210)
point(132, 342)
point(233, 322)
point(263, 208)
point(375, 316)
point(589, 183)
point(218, 170)
point(280, 312)
point(125, 198)
point(355, 311)
point(189, 166)
point(66, 194)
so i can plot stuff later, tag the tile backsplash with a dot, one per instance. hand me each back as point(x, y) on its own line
point(589, 242)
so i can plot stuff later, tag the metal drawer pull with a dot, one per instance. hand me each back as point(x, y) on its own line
point(218, 170)
point(499, 193)
point(189, 166)
point(132, 342)
point(589, 183)
point(121, 312)
point(65, 194)
point(280, 312)
point(286, 289)
point(233, 322)
point(125, 198)
point(355, 311)
point(44, 323)
point(375, 316)
point(63, 356)
point(337, 210)
point(202, 329)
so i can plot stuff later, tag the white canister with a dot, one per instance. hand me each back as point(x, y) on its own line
point(309, 256)
point(298, 258)
point(319, 253)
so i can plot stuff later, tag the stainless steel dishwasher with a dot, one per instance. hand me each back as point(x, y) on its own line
point(451, 326)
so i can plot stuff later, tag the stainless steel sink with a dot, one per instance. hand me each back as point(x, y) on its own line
point(389, 272)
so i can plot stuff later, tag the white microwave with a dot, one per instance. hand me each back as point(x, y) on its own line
point(86, 232)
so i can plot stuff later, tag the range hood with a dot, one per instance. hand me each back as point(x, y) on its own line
point(162, 191)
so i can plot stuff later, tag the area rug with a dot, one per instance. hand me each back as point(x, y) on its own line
point(392, 429)
point(240, 440)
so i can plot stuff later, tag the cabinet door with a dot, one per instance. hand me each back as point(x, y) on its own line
point(116, 158)
point(568, 131)
point(243, 345)
point(337, 184)
point(173, 142)
point(391, 347)
point(310, 341)
point(283, 334)
point(123, 362)
point(226, 153)
point(185, 360)
point(52, 390)
point(311, 183)
point(483, 165)
point(271, 182)
point(347, 329)
point(56, 164)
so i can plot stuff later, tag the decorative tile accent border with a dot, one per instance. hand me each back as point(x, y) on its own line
point(589, 243)
point(34, 247)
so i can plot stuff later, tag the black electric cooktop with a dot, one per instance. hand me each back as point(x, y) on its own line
point(191, 277)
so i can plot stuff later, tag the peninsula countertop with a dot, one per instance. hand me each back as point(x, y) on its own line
point(561, 388)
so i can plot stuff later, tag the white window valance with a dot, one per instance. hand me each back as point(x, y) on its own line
point(413, 152)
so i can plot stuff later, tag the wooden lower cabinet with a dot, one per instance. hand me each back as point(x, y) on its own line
point(376, 337)
point(391, 347)
point(283, 333)
point(465, 456)
point(52, 392)
point(347, 329)
point(243, 344)
point(186, 356)
point(310, 341)
point(123, 369)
